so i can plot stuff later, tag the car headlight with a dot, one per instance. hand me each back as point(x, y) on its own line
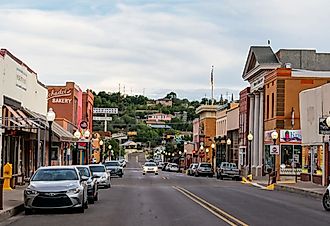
point(29, 191)
point(73, 191)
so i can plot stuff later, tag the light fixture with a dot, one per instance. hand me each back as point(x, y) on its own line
point(185, 150)
point(250, 137)
point(201, 147)
point(109, 146)
point(228, 141)
point(212, 145)
point(87, 134)
point(328, 121)
point(51, 115)
point(77, 134)
point(101, 142)
point(207, 150)
point(180, 152)
point(173, 154)
point(274, 136)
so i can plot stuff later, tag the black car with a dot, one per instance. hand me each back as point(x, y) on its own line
point(115, 168)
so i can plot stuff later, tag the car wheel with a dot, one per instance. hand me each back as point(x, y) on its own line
point(91, 200)
point(144, 173)
point(27, 211)
point(326, 201)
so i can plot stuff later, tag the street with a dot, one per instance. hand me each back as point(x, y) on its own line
point(177, 199)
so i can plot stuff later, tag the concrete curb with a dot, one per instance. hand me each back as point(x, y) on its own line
point(308, 193)
point(11, 212)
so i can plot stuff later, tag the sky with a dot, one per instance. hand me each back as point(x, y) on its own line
point(154, 47)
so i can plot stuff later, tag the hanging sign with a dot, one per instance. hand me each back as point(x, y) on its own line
point(274, 149)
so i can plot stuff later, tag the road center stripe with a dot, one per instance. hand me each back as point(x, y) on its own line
point(231, 220)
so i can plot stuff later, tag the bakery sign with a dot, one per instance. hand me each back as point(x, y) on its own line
point(60, 96)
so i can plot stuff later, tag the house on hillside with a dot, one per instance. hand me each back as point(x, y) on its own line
point(165, 102)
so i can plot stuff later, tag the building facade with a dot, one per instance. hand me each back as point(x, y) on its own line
point(233, 133)
point(244, 104)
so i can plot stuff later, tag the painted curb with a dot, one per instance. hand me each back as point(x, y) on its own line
point(11, 212)
point(308, 193)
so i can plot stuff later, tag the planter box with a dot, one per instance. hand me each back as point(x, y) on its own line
point(305, 177)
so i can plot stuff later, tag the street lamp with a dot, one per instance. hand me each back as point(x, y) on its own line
point(77, 134)
point(213, 155)
point(274, 136)
point(180, 152)
point(250, 138)
point(228, 142)
point(50, 118)
point(101, 150)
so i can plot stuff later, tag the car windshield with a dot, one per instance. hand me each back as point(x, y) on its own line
point(112, 163)
point(97, 169)
point(205, 165)
point(55, 175)
point(233, 166)
point(84, 171)
point(150, 164)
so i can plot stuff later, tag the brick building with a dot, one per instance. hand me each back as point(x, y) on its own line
point(244, 128)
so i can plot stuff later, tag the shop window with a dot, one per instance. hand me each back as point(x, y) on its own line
point(312, 159)
point(286, 156)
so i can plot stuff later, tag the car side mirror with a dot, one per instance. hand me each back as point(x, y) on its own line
point(84, 178)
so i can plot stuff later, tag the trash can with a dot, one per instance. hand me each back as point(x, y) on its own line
point(1, 194)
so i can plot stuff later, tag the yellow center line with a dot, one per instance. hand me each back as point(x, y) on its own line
point(210, 206)
point(209, 209)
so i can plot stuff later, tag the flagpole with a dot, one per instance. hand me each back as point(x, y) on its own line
point(212, 86)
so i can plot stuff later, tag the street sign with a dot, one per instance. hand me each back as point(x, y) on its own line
point(323, 127)
point(105, 110)
point(102, 118)
point(274, 149)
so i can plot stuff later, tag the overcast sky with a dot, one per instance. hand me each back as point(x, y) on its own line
point(156, 46)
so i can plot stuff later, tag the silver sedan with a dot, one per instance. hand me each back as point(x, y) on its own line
point(56, 187)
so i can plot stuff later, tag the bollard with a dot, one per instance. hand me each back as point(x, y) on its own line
point(1, 194)
point(7, 175)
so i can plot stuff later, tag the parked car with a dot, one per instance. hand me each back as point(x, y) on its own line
point(150, 167)
point(56, 187)
point(114, 168)
point(326, 199)
point(160, 165)
point(173, 167)
point(204, 169)
point(192, 168)
point(103, 177)
point(92, 186)
point(228, 170)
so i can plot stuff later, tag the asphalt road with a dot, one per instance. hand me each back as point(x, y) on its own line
point(177, 199)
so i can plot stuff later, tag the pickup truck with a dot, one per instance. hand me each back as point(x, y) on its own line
point(230, 170)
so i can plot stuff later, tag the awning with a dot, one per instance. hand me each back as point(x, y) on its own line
point(16, 119)
point(59, 131)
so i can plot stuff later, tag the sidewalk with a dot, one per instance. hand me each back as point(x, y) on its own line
point(304, 188)
point(12, 202)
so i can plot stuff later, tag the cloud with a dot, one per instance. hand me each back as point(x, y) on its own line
point(154, 46)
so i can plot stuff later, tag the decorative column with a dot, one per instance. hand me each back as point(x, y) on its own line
point(255, 153)
point(261, 133)
point(251, 119)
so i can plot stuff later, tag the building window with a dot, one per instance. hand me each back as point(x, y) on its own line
point(273, 103)
point(267, 107)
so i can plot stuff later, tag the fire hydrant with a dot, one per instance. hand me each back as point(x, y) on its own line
point(7, 175)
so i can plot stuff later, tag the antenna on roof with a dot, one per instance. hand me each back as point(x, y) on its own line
point(268, 42)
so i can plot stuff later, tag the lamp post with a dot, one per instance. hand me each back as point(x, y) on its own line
point(207, 154)
point(228, 142)
point(50, 118)
point(201, 148)
point(101, 150)
point(213, 154)
point(274, 137)
point(185, 158)
point(250, 138)
point(110, 151)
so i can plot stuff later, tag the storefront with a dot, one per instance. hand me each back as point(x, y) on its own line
point(312, 162)
point(269, 158)
point(291, 152)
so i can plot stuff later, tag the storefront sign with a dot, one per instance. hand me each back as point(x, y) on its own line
point(290, 136)
point(274, 149)
point(323, 127)
point(105, 110)
point(21, 77)
point(60, 96)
